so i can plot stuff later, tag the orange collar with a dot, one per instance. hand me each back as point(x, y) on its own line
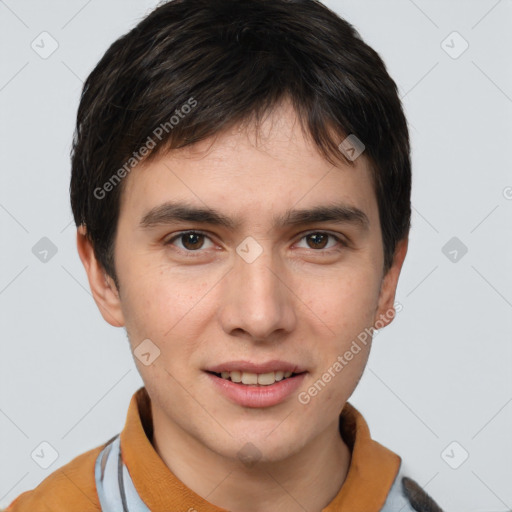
point(372, 470)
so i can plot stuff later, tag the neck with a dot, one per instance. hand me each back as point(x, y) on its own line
point(307, 480)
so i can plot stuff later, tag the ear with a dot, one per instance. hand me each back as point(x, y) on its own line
point(103, 288)
point(385, 310)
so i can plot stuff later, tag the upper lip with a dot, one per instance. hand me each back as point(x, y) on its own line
point(251, 367)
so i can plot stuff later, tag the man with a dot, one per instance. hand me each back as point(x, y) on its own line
point(241, 187)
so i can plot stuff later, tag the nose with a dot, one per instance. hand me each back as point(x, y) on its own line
point(258, 303)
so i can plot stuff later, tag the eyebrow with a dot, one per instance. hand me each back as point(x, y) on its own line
point(171, 212)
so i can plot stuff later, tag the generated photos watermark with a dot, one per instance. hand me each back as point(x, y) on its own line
point(145, 149)
point(343, 360)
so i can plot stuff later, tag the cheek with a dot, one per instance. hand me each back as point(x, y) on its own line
point(156, 303)
point(143, 301)
point(346, 304)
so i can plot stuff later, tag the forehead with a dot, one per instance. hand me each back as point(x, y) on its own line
point(248, 169)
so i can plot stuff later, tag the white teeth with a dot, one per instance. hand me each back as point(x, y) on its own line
point(249, 378)
point(266, 378)
point(235, 376)
point(263, 379)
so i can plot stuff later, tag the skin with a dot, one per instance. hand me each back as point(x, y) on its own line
point(301, 300)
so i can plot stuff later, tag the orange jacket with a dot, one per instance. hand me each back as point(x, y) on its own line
point(373, 472)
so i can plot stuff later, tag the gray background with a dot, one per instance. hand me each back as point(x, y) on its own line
point(440, 373)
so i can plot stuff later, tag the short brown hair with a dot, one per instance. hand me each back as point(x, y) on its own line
point(236, 59)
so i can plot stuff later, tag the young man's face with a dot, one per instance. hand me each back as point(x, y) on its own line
point(260, 291)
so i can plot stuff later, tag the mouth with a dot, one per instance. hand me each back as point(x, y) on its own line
point(257, 386)
point(256, 379)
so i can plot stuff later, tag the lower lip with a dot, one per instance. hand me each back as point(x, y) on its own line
point(257, 396)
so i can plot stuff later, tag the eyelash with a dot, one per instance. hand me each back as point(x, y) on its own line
point(198, 251)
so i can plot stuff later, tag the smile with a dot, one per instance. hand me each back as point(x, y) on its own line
point(255, 379)
point(257, 389)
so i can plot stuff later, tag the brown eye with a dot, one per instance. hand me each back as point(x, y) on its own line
point(190, 241)
point(319, 240)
